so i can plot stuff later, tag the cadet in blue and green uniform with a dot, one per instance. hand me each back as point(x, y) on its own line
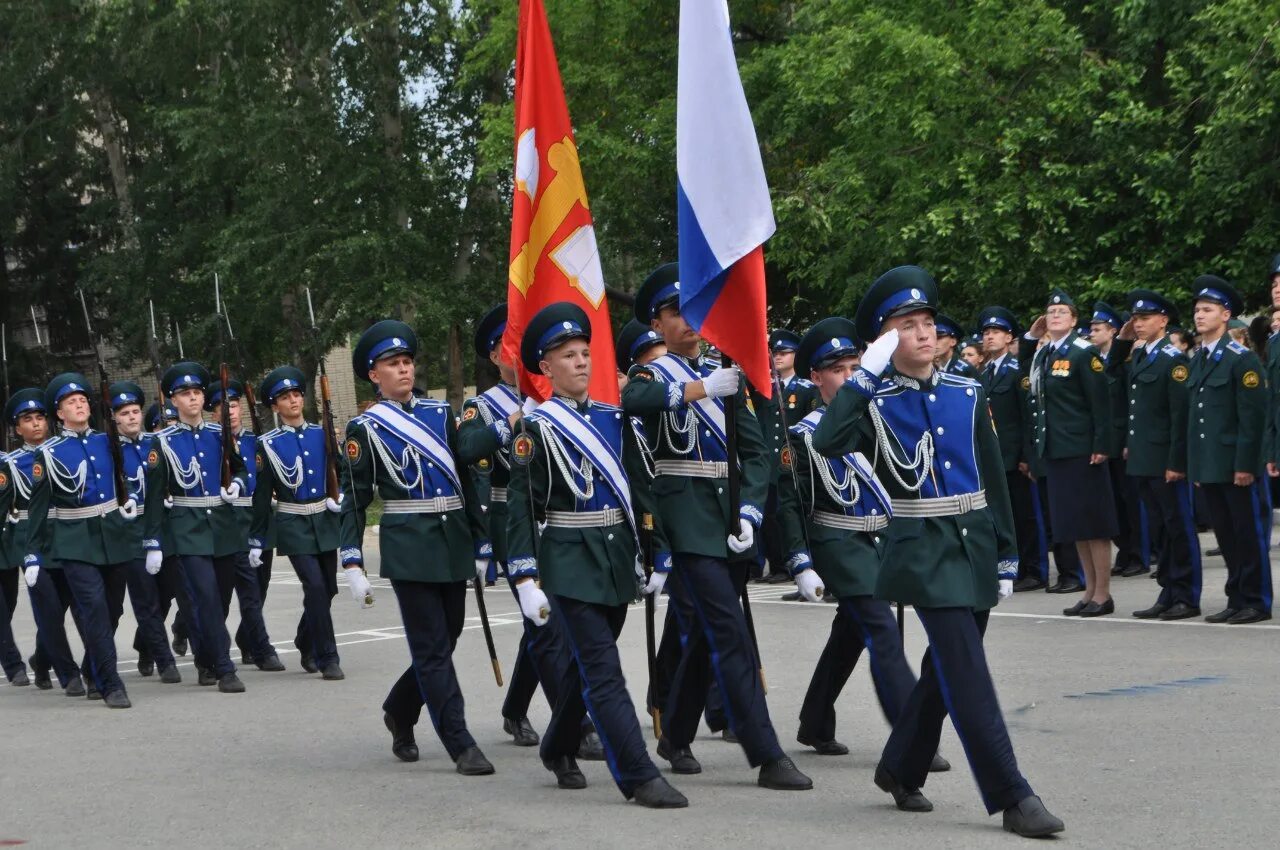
point(681, 399)
point(1071, 434)
point(199, 526)
point(1225, 453)
point(170, 580)
point(78, 522)
point(251, 579)
point(15, 670)
point(832, 511)
point(949, 550)
point(572, 464)
point(292, 470)
point(1272, 440)
point(431, 539)
point(1157, 452)
point(144, 587)
point(949, 360)
point(47, 588)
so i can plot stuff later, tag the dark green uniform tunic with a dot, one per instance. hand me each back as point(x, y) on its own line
point(1227, 414)
point(484, 443)
point(1158, 401)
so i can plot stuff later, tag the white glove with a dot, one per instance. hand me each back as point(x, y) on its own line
point(722, 382)
point(876, 358)
point(168, 502)
point(744, 539)
point(255, 557)
point(1006, 588)
point(529, 406)
point(358, 584)
point(533, 602)
point(230, 494)
point(655, 584)
point(334, 507)
point(482, 569)
point(154, 559)
point(129, 510)
point(30, 575)
point(809, 584)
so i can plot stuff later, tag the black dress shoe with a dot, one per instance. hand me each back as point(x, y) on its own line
point(170, 675)
point(590, 748)
point(403, 744)
point(793, 596)
point(1222, 616)
point(230, 684)
point(179, 646)
point(1154, 574)
point(1179, 611)
point(146, 665)
point(776, 578)
point(1215, 552)
point(1028, 583)
point(939, 764)
point(823, 748)
point(75, 688)
point(1031, 819)
point(728, 737)
point(309, 663)
point(657, 793)
point(93, 693)
point(1249, 615)
point(19, 679)
point(1117, 570)
point(906, 799)
point(270, 664)
point(473, 763)
point(1152, 612)
point(1074, 610)
point(783, 775)
point(681, 758)
point(40, 674)
point(829, 597)
point(1093, 609)
point(1066, 586)
point(117, 699)
point(521, 732)
point(567, 773)
point(1133, 570)
point(206, 677)
point(333, 673)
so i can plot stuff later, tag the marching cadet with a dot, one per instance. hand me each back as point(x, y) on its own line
point(572, 465)
point(1070, 430)
point(1225, 453)
point(144, 587)
point(77, 522)
point(431, 539)
point(949, 550)
point(291, 465)
point(832, 511)
point(184, 466)
point(15, 670)
point(170, 582)
point(249, 582)
point(681, 399)
point(1157, 452)
point(949, 360)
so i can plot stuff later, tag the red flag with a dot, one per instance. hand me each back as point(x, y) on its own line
point(553, 244)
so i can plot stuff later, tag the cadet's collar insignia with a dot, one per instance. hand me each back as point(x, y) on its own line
point(353, 450)
point(1250, 380)
point(522, 449)
point(1179, 373)
point(1096, 364)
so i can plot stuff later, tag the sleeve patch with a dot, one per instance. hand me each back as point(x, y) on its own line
point(469, 413)
point(353, 450)
point(1179, 373)
point(1096, 364)
point(786, 457)
point(1250, 380)
point(259, 461)
point(4, 481)
point(1026, 383)
point(153, 458)
point(522, 449)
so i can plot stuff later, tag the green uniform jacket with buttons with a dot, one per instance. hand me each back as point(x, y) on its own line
point(795, 402)
point(1158, 399)
point(1070, 405)
point(13, 533)
point(1008, 411)
point(289, 534)
point(1273, 409)
point(436, 548)
point(7, 494)
point(488, 455)
point(1224, 436)
point(596, 565)
point(1116, 365)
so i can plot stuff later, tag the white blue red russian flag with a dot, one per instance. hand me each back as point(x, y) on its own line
point(724, 210)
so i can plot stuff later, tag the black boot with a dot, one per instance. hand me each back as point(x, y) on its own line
point(783, 775)
point(1031, 819)
point(657, 793)
point(681, 758)
point(403, 744)
point(521, 731)
point(905, 798)
point(567, 773)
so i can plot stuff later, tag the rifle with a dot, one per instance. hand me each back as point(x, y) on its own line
point(650, 609)
point(4, 356)
point(153, 346)
point(224, 375)
point(44, 356)
point(108, 421)
point(182, 355)
point(244, 375)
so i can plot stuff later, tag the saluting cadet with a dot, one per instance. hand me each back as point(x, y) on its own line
point(15, 669)
point(292, 470)
point(144, 586)
point(431, 540)
point(1157, 452)
point(833, 510)
point(251, 635)
point(1071, 429)
point(681, 399)
point(949, 550)
point(77, 521)
point(1224, 451)
point(949, 360)
point(184, 466)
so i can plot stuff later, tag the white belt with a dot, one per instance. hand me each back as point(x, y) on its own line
point(693, 468)
point(941, 506)
point(498, 494)
point(851, 523)
point(301, 508)
point(87, 512)
point(586, 519)
point(243, 502)
point(21, 516)
point(196, 501)
point(438, 505)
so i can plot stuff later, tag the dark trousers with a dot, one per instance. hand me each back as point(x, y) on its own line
point(50, 599)
point(594, 685)
point(860, 621)
point(712, 587)
point(94, 591)
point(1132, 548)
point(682, 636)
point(432, 615)
point(955, 682)
point(172, 589)
point(10, 655)
point(542, 657)
point(1064, 554)
point(251, 634)
point(207, 581)
point(770, 539)
point(319, 577)
point(1025, 526)
point(144, 596)
point(1241, 519)
point(1170, 506)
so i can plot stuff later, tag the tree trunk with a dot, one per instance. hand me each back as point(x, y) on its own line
point(109, 129)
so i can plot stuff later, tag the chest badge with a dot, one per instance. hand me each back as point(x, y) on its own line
point(1060, 368)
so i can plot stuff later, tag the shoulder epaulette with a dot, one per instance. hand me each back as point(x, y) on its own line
point(214, 426)
point(1081, 342)
point(606, 406)
point(804, 382)
point(1237, 347)
point(1171, 350)
point(957, 380)
point(166, 431)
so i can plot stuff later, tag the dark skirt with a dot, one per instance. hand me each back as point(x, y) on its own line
point(1081, 503)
